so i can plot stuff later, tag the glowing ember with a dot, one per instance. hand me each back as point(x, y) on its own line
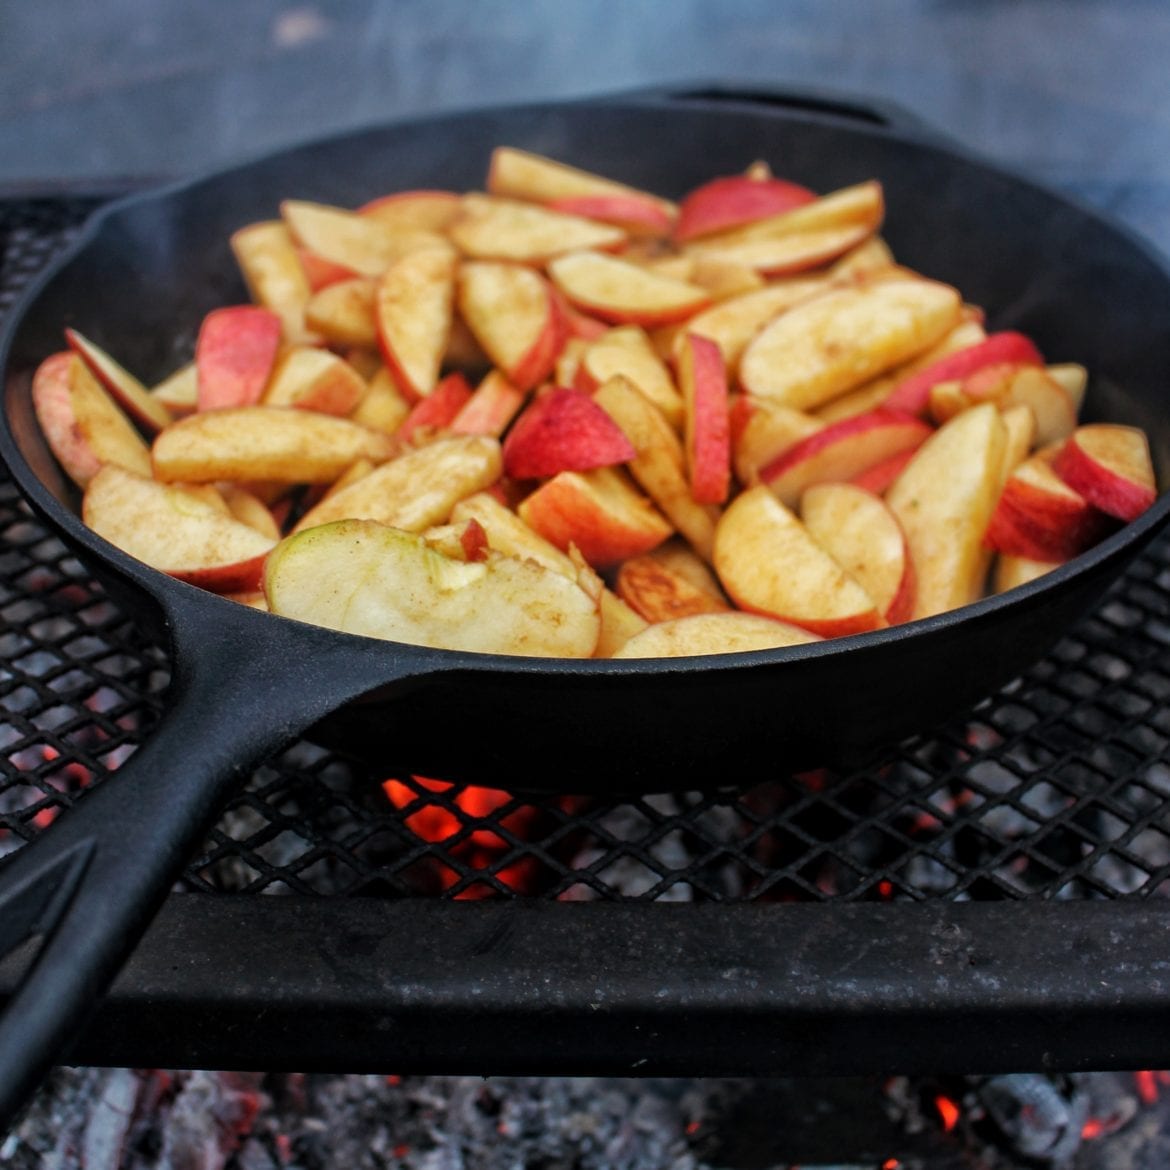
point(948, 1111)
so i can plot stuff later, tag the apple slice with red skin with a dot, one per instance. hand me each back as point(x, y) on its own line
point(703, 381)
point(864, 537)
point(563, 430)
point(126, 390)
point(658, 593)
point(366, 578)
point(321, 273)
point(234, 355)
point(599, 511)
point(172, 528)
point(383, 406)
point(493, 405)
point(416, 210)
point(1040, 517)
point(621, 292)
point(491, 228)
point(314, 379)
point(734, 200)
point(843, 450)
point(1011, 571)
point(880, 476)
point(276, 279)
point(439, 409)
point(516, 318)
point(632, 213)
point(913, 394)
point(1110, 465)
point(763, 431)
point(769, 564)
point(178, 391)
point(713, 633)
point(790, 253)
point(413, 309)
point(627, 350)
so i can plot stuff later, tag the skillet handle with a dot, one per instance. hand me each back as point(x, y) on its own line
point(92, 882)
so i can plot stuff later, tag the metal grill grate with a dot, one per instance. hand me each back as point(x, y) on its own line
point(1056, 788)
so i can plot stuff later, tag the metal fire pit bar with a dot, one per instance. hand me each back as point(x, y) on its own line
point(990, 898)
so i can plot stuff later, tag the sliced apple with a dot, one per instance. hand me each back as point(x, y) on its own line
point(659, 465)
point(677, 557)
point(864, 537)
point(1011, 571)
point(438, 410)
point(314, 379)
point(1110, 465)
point(839, 340)
point(624, 293)
point(383, 407)
point(790, 253)
point(627, 350)
point(733, 200)
point(563, 430)
point(658, 593)
point(178, 391)
point(234, 355)
point(172, 528)
point(515, 317)
point(619, 623)
point(493, 405)
point(707, 442)
point(130, 394)
point(763, 432)
point(344, 312)
point(249, 443)
point(362, 577)
point(418, 489)
point(599, 511)
point(321, 272)
point(713, 633)
point(769, 564)
point(872, 256)
point(634, 214)
point(248, 508)
point(944, 499)
point(276, 279)
point(842, 450)
point(492, 228)
point(880, 476)
point(413, 307)
point(508, 533)
point(413, 211)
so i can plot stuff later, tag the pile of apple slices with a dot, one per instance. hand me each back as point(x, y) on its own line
point(567, 417)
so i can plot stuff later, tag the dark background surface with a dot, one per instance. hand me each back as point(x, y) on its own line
point(1074, 92)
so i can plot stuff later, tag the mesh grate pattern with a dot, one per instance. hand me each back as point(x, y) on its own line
point(1057, 787)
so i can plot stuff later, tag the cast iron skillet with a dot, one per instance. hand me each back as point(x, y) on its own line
point(245, 683)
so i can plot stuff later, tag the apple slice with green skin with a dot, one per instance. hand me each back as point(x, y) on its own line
point(524, 175)
point(769, 564)
point(175, 529)
point(234, 355)
point(713, 633)
point(365, 578)
point(563, 430)
point(314, 379)
point(624, 293)
point(276, 279)
point(412, 211)
point(84, 427)
point(627, 350)
point(843, 450)
point(659, 464)
point(515, 317)
point(418, 489)
point(1110, 465)
point(734, 200)
point(634, 214)
point(835, 342)
point(130, 394)
point(439, 409)
point(659, 593)
point(703, 381)
point(864, 537)
point(492, 228)
point(413, 309)
point(599, 511)
point(251, 443)
point(493, 404)
point(344, 312)
point(1040, 517)
point(944, 499)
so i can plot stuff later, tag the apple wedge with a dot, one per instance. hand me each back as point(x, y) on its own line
point(713, 633)
point(599, 511)
point(362, 577)
point(842, 450)
point(944, 500)
point(1110, 466)
point(516, 318)
point(1011, 571)
point(82, 425)
point(707, 436)
point(492, 228)
point(788, 254)
point(624, 293)
point(234, 355)
point(659, 464)
point(563, 430)
point(268, 261)
point(416, 490)
point(178, 391)
point(421, 210)
point(633, 214)
point(172, 528)
point(734, 200)
point(769, 564)
point(343, 313)
point(627, 350)
point(383, 407)
point(493, 404)
point(839, 340)
point(314, 379)
point(864, 537)
point(438, 410)
point(659, 593)
point(249, 443)
point(126, 390)
point(1040, 517)
point(413, 307)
